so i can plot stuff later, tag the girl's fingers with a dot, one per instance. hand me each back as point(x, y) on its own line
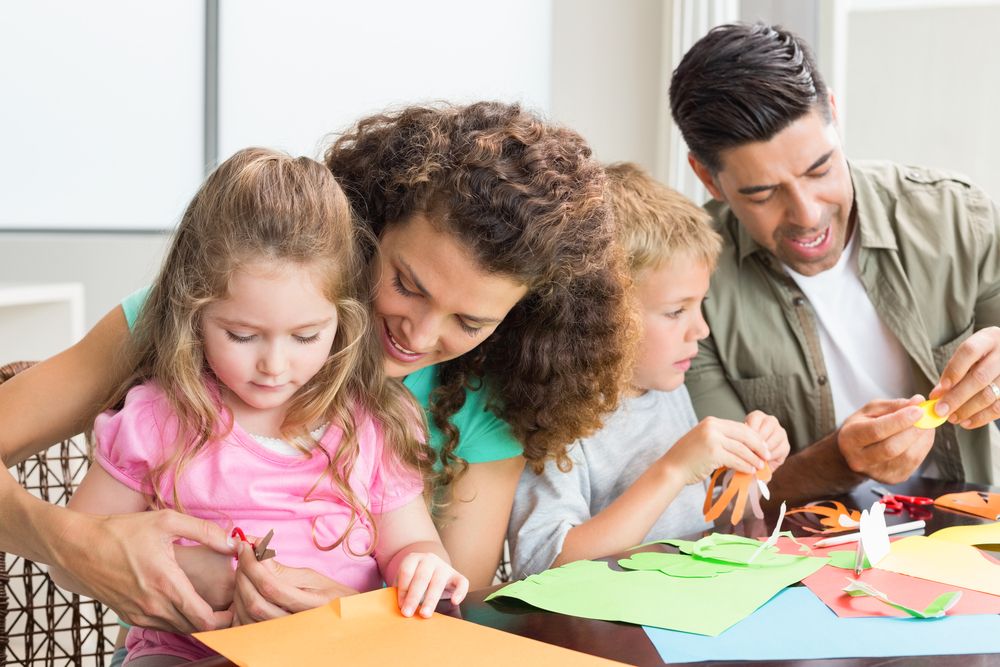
point(435, 589)
point(417, 587)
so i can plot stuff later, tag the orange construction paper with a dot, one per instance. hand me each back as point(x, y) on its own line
point(368, 629)
point(972, 502)
point(944, 561)
point(739, 487)
point(828, 583)
point(831, 516)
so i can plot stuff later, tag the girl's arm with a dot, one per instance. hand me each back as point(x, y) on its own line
point(475, 523)
point(412, 558)
point(104, 555)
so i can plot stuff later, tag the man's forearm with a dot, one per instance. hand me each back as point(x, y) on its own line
point(816, 472)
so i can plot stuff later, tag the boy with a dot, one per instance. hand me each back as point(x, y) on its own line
point(641, 477)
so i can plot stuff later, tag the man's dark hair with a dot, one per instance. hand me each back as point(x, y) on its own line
point(743, 83)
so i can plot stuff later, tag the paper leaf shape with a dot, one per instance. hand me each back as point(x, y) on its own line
point(675, 565)
point(835, 516)
point(874, 535)
point(930, 419)
point(979, 503)
point(739, 485)
point(845, 560)
point(936, 609)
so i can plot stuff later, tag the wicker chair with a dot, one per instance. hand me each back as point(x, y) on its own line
point(41, 624)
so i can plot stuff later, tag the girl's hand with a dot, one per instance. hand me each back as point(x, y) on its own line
point(423, 579)
point(268, 589)
point(768, 428)
point(716, 443)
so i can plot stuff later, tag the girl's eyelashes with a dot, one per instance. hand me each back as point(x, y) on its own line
point(305, 340)
point(239, 339)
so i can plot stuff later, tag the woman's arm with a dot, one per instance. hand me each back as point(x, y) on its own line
point(59, 397)
point(475, 523)
point(108, 556)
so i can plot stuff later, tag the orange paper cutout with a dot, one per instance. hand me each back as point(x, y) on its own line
point(979, 503)
point(740, 486)
point(368, 629)
point(831, 516)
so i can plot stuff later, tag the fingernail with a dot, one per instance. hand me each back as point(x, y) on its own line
point(230, 542)
point(407, 611)
point(966, 424)
point(941, 409)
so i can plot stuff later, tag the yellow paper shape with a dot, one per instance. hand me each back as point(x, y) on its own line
point(368, 629)
point(980, 534)
point(930, 419)
point(943, 561)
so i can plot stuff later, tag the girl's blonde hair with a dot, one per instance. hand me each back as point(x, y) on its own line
point(262, 205)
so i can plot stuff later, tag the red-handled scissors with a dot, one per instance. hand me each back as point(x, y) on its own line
point(917, 506)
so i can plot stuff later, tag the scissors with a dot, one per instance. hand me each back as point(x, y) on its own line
point(917, 506)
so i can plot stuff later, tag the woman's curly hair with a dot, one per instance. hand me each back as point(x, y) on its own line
point(527, 199)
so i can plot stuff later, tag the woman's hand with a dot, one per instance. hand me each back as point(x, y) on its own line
point(423, 579)
point(268, 589)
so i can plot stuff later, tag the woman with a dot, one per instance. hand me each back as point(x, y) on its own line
point(500, 303)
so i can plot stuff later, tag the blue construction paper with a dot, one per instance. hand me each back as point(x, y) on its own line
point(796, 625)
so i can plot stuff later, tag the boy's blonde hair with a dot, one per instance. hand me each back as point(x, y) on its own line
point(656, 224)
point(262, 205)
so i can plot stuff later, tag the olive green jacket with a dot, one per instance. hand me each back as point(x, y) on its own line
point(930, 263)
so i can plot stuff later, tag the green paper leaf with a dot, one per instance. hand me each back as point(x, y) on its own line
point(845, 560)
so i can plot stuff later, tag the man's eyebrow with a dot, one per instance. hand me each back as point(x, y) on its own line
point(412, 276)
point(754, 189)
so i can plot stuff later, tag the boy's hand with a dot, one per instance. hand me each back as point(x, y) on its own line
point(716, 443)
point(768, 428)
point(423, 579)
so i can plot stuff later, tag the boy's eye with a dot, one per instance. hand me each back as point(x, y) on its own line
point(674, 314)
point(239, 339)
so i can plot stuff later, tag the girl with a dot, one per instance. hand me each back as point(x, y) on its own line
point(500, 303)
point(262, 401)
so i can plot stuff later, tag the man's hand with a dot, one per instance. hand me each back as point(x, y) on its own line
point(880, 441)
point(127, 562)
point(966, 391)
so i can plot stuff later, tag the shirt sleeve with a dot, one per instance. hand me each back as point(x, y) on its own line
point(393, 484)
point(484, 436)
point(130, 442)
point(987, 233)
point(711, 392)
point(546, 507)
point(133, 303)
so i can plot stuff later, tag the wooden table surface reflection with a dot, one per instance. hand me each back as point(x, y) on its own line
point(628, 643)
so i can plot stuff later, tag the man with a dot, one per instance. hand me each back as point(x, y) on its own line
point(842, 286)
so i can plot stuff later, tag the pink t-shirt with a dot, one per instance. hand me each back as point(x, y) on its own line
point(237, 481)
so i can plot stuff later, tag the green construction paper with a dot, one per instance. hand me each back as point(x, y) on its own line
point(845, 560)
point(675, 565)
point(705, 606)
point(936, 609)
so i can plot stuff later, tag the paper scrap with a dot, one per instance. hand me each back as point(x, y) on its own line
point(936, 609)
point(943, 561)
point(930, 419)
point(979, 503)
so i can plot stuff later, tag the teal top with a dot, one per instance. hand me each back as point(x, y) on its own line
point(483, 435)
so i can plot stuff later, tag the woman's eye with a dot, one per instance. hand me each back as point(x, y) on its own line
point(239, 339)
point(399, 287)
point(471, 331)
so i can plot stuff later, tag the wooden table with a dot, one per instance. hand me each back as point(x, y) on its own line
point(628, 643)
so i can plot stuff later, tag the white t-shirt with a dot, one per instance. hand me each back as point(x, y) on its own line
point(864, 359)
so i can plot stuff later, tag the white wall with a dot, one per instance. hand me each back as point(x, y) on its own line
point(607, 81)
point(922, 86)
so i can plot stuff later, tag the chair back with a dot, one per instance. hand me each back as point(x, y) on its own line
point(40, 623)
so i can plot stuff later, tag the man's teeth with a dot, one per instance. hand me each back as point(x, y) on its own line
point(812, 244)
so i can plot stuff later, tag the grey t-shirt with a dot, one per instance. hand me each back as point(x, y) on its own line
point(607, 463)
